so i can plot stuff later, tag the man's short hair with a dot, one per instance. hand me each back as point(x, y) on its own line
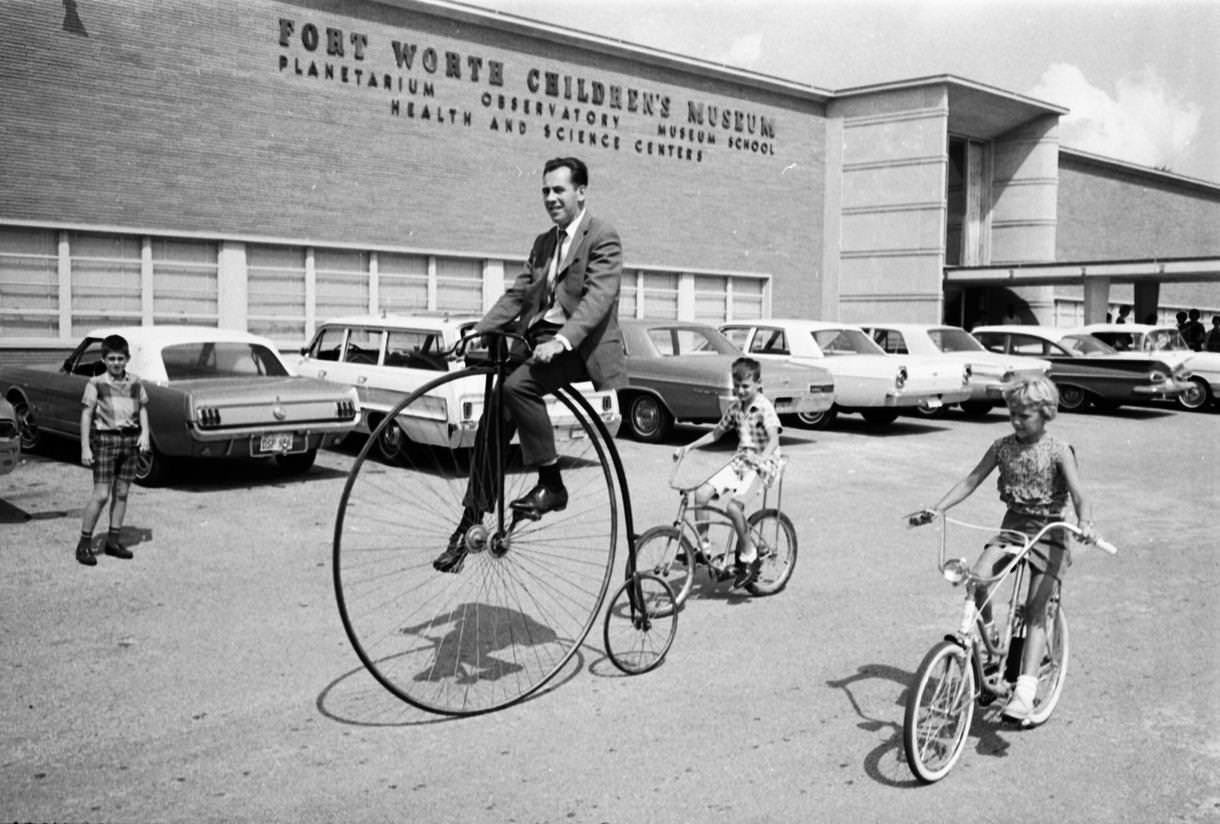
point(115, 343)
point(577, 168)
point(745, 367)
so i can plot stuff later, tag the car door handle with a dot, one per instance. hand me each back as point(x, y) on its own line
point(321, 373)
point(362, 379)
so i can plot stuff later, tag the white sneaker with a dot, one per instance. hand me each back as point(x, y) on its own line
point(1021, 705)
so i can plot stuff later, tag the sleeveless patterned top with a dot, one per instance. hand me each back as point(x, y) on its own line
point(1030, 481)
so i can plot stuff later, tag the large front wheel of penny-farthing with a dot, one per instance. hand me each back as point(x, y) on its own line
point(524, 598)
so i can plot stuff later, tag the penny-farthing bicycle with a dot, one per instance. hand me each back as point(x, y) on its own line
point(527, 592)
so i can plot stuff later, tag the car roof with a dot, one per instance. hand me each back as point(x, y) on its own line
point(1124, 327)
point(426, 320)
point(171, 333)
point(798, 323)
point(912, 327)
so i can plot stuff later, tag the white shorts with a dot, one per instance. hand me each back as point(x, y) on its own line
point(739, 485)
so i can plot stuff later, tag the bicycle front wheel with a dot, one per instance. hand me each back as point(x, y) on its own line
point(524, 598)
point(775, 538)
point(640, 623)
point(939, 710)
point(665, 552)
point(1052, 672)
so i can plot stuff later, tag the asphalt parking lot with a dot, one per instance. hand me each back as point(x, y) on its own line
point(209, 678)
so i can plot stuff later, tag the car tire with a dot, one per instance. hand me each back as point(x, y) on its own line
point(647, 419)
point(31, 438)
point(977, 409)
point(927, 412)
point(815, 420)
point(1197, 397)
point(1072, 398)
point(152, 468)
point(879, 417)
point(390, 444)
point(298, 462)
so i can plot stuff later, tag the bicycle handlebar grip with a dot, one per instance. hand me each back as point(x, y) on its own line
point(1106, 546)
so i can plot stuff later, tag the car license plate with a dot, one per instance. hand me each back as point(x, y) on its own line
point(279, 442)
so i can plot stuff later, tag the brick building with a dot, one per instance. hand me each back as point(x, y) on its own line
point(265, 165)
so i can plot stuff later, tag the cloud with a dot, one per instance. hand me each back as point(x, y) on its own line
point(1144, 122)
point(745, 51)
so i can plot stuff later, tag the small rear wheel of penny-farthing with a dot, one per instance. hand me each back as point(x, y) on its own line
point(525, 593)
point(640, 623)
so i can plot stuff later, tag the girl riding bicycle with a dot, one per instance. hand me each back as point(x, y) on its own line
point(1037, 474)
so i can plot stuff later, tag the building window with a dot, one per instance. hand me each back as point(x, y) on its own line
point(184, 281)
point(711, 298)
point(342, 279)
point(459, 285)
point(105, 281)
point(29, 283)
point(275, 291)
point(659, 295)
point(402, 282)
point(748, 300)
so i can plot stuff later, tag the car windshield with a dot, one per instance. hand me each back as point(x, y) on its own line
point(954, 340)
point(1164, 340)
point(1085, 345)
point(845, 342)
point(220, 359)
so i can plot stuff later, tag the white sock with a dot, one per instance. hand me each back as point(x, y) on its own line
point(1027, 688)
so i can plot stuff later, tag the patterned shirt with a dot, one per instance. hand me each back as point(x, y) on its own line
point(116, 403)
point(1031, 481)
point(755, 425)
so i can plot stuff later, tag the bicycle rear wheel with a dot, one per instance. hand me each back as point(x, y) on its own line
point(665, 552)
point(939, 710)
point(523, 601)
point(1052, 673)
point(775, 537)
point(640, 623)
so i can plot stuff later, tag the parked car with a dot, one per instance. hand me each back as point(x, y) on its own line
point(388, 357)
point(212, 393)
point(1165, 342)
point(988, 370)
point(10, 438)
point(1087, 370)
point(867, 380)
point(678, 370)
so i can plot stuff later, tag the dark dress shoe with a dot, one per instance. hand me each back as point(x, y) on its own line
point(118, 551)
point(540, 500)
point(84, 554)
point(454, 556)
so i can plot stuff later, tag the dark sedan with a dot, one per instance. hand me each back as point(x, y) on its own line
point(1087, 371)
point(679, 370)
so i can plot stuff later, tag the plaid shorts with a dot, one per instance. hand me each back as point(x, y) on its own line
point(115, 455)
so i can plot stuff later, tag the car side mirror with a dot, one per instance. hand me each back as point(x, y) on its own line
point(67, 365)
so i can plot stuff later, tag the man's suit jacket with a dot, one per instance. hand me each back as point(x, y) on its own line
point(587, 287)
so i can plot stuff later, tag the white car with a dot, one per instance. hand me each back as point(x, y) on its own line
point(387, 358)
point(1165, 342)
point(988, 370)
point(867, 380)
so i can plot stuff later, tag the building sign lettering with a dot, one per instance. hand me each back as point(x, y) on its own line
point(416, 79)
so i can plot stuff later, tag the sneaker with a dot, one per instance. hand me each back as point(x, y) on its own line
point(747, 572)
point(1020, 706)
point(84, 554)
point(118, 551)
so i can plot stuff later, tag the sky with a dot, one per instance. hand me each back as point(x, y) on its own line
point(1140, 77)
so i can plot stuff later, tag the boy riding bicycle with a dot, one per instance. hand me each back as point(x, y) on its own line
point(1037, 474)
point(755, 463)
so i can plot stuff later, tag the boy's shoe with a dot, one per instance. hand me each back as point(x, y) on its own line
point(1021, 705)
point(118, 551)
point(747, 572)
point(84, 554)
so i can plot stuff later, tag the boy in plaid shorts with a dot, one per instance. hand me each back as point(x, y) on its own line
point(113, 431)
point(755, 462)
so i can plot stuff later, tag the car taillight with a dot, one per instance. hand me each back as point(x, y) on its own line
point(345, 409)
point(1157, 376)
point(967, 373)
point(209, 416)
point(900, 380)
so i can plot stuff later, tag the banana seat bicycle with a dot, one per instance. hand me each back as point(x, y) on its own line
point(968, 668)
point(528, 590)
point(675, 552)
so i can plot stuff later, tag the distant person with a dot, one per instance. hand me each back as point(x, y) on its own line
point(1193, 332)
point(1212, 342)
point(113, 433)
point(754, 464)
point(1010, 315)
point(1180, 317)
point(1124, 314)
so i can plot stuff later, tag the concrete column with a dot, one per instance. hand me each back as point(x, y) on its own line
point(1147, 298)
point(1096, 299)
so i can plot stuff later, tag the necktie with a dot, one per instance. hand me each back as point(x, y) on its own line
point(552, 274)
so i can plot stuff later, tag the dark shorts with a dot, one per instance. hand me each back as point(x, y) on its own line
point(1051, 555)
point(115, 456)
